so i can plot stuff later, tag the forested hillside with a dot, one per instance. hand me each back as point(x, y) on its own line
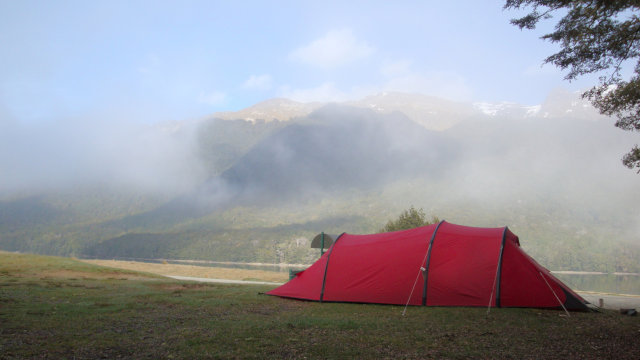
point(271, 186)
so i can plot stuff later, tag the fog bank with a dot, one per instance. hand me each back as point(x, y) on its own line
point(69, 153)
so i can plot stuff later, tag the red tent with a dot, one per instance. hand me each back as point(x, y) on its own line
point(436, 265)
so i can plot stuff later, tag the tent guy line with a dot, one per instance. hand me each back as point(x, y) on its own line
point(554, 294)
point(423, 271)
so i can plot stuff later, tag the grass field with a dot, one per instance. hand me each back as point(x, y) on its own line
point(63, 308)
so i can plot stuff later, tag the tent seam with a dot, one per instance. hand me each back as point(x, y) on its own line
point(426, 266)
point(326, 267)
point(499, 272)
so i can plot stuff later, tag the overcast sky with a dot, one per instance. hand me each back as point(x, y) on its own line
point(150, 61)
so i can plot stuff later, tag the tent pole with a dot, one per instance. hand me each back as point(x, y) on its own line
point(428, 261)
point(424, 270)
point(322, 243)
point(498, 272)
point(326, 267)
point(554, 294)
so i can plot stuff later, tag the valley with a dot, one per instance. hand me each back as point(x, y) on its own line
point(267, 187)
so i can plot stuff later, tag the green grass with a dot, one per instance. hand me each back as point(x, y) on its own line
point(60, 308)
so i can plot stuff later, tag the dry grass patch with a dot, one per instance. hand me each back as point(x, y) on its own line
point(71, 274)
point(182, 286)
point(194, 271)
point(16, 265)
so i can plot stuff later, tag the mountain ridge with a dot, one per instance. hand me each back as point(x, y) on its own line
point(273, 185)
point(431, 112)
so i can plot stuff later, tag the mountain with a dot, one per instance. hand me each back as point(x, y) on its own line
point(220, 143)
point(334, 149)
point(431, 112)
point(337, 147)
point(270, 110)
point(549, 172)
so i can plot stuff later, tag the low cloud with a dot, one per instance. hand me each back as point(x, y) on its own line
point(326, 92)
point(398, 76)
point(72, 153)
point(213, 98)
point(402, 78)
point(335, 49)
point(258, 82)
point(396, 68)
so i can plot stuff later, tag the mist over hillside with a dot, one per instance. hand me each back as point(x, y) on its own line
point(72, 153)
point(337, 148)
point(255, 190)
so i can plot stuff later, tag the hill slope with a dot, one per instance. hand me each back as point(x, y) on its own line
point(551, 175)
